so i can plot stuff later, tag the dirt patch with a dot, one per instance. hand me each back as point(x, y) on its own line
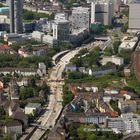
point(136, 64)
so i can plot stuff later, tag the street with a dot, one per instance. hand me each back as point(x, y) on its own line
point(48, 119)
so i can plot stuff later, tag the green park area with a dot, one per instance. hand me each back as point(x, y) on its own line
point(29, 16)
point(91, 132)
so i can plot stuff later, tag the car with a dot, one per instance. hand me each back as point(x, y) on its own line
point(50, 126)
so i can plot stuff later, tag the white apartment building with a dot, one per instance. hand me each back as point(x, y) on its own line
point(38, 36)
point(61, 16)
point(113, 59)
point(20, 71)
point(41, 37)
point(48, 39)
point(128, 122)
point(134, 13)
point(31, 107)
point(61, 31)
point(131, 122)
point(13, 127)
point(115, 123)
point(80, 18)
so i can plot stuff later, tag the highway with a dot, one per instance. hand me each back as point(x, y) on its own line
point(55, 81)
point(48, 119)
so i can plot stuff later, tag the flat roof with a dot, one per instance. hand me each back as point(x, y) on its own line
point(33, 105)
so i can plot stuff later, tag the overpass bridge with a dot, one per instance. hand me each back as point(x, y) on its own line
point(104, 38)
point(55, 57)
point(40, 126)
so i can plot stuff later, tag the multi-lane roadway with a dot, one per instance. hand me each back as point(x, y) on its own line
point(49, 118)
point(54, 108)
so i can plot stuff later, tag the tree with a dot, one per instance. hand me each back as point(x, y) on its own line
point(126, 54)
point(114, 105)
point(2, 112)
point(77, 61)
point(15, 47)
point(26, 92)
point(67, 95)
point(81, 133)
point(124, 28)
point(1, 5)
point(116, 46)
point(65, 46)
point(7, 137)
point(33, 83)
point(130, 89)
point(29, 15)
point(83, 51)
point(92, 137)
point(45, 88)
point(77, 75)
point(73, 131)
point(109, 64)
point(108, 51)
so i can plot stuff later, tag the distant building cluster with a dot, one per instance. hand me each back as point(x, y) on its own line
point(68, 26)
point(63, 30)
point(73, 26)
point(101, 112)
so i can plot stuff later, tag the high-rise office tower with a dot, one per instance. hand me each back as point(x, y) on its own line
point(80, 18)
point(11, 4)
point(61, 30)
point(16, 9)
point(134, 15)
point(101, 11)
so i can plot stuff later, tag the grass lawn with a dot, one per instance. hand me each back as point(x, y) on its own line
point(101, 82)
point(133, 83)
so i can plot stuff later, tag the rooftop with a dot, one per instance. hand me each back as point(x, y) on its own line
point(13, 123)
point(128, 42)
point(104, 68)
point(62, 21)
point(128, 102)
point(9, 69)
point(3, 47)
point(33, 105)
point(80, 9)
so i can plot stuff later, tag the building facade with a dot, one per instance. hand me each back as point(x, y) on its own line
point(15, 12)
point(134, 12)
point(80, 18)
point(102, 12)
point(127, 106)
point(113, 59)
point(61, 30)
point(115, 123)
point(31, 107)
